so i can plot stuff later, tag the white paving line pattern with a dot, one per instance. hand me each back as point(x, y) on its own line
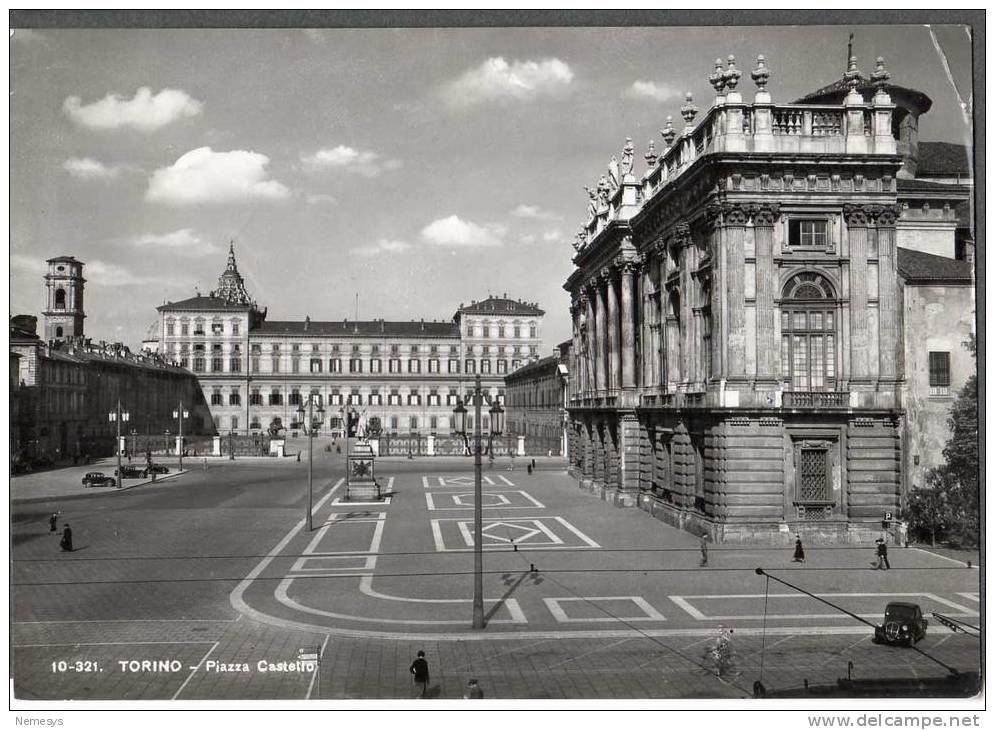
point(437, 501)
point(550, 531)
point(684, 602)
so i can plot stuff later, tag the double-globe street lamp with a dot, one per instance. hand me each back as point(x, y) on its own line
point(459, 427)
point(309, 429)
point(179, 415)
point(117, 416)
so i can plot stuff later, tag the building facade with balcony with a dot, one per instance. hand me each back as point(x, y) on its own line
point(737, 325)
point(408, 374)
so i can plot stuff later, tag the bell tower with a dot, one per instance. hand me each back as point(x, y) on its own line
point(64, 312)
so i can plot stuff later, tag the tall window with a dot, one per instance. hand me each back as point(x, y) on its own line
point(374, 366)
point(433, 366)
point(234, 327)
point(454, 366)
point(234, 399)
point(533, 331)
point(808, 333)
point(395, 365)
point(355, 365)
point(470, 366)
point(255, 397)
point(414, 366)
point(316, 364)
point(939, 373)
point(170, 328)
point(216, 398)
point(808, 233)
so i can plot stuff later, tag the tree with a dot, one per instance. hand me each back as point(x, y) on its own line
point(928, 507)
point(962, 456)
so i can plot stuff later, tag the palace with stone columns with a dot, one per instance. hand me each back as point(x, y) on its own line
point(738, 346)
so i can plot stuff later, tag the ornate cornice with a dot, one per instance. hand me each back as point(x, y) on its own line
point(865, 215)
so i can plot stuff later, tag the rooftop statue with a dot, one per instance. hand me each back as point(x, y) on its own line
point(627, 152)
point(613, 172)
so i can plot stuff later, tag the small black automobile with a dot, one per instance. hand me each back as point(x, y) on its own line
point(903, 625)
point(98, 479)
point(131, 472)
point(157, 469)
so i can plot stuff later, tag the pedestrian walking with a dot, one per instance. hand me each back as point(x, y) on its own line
point(473, 691)
point(704, 550)
point(511, 467)
point(66, 543)
point(419, 671)
point(882, 555)
point(799, 550)
point(530, 469)
point(52, 520)
point(533, 464)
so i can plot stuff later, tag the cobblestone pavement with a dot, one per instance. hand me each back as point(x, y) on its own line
point(156, 569)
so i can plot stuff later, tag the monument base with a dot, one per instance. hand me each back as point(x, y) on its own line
point(361, 484)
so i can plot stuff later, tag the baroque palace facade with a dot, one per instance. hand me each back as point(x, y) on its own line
point(407, 374)
point(738, 350)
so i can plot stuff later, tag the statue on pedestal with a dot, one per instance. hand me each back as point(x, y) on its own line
point(627, 154)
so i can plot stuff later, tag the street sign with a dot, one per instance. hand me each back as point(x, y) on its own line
point(309, 654)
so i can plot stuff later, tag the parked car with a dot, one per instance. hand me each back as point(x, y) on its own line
point(131, 472)
point(98, 479)
point(156, 469)
point(903, 624)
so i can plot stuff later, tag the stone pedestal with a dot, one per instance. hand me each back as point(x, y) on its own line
point(430, 444)
point(178, 448)
point(520, 449)
point(361, 483)
point(121, 445)
point(216, 449)
point(276, 447)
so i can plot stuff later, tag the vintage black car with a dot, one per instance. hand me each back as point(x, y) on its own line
point(131, 472)
point(156, 469)
point(98, 479)
point(903, 625)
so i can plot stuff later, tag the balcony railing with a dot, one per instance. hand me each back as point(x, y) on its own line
point(816, 399)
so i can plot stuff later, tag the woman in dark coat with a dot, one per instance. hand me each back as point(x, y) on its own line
point(799, 550)
point(67, 539)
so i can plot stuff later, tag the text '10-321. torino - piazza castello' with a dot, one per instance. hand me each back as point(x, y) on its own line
point(742, 364)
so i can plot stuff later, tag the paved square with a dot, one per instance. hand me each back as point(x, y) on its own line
point(349, 535)
point(462, 480)
point(518, 499)
point(541, 533)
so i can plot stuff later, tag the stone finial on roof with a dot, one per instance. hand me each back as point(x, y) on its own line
point(718, 77)
point(668, 132)
point(881, 75)
point(852, 74)
point(732, 73)
point(650, 155)
point(760, 74)
point(688, 109)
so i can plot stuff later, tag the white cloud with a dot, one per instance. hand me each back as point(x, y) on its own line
point(384, 245)
point(496, 80)
point(87, 168)
point(102, 274)
point(360, 162)
point(205, 176)
point(550, 236)
point(183, 241)
point(321, 199)
point(29, 264)
point(534, 212)
point(146, 112)
point(456, 232)
point(529, 238)
point(653, 91)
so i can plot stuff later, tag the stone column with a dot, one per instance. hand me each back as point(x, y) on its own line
point(628, 268)
point(713, 218)
point(590, 372)
point(682, 234)
point(600, 381)
point(614, 344)
point(888, 319)
point(735, 218)
point(764, 217)
point(857, 220)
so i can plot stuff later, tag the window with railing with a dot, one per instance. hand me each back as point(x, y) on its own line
point(808, 333)
point(939, 373)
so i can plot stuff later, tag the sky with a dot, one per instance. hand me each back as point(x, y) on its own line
point(417, 168)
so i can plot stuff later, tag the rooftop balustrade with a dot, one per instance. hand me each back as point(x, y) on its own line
point(856, 127)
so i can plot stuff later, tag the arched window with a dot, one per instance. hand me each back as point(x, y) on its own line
point(808, 333)
point(60, 298)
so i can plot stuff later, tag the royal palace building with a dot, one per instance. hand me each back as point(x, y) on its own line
point(739, 311)
point(407, 374)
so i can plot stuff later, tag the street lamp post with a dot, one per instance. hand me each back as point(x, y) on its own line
point(231, 445)
point(309, 428)
point(134, 443)
point(497, 423)
point(180, 415)
point(117, 416)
